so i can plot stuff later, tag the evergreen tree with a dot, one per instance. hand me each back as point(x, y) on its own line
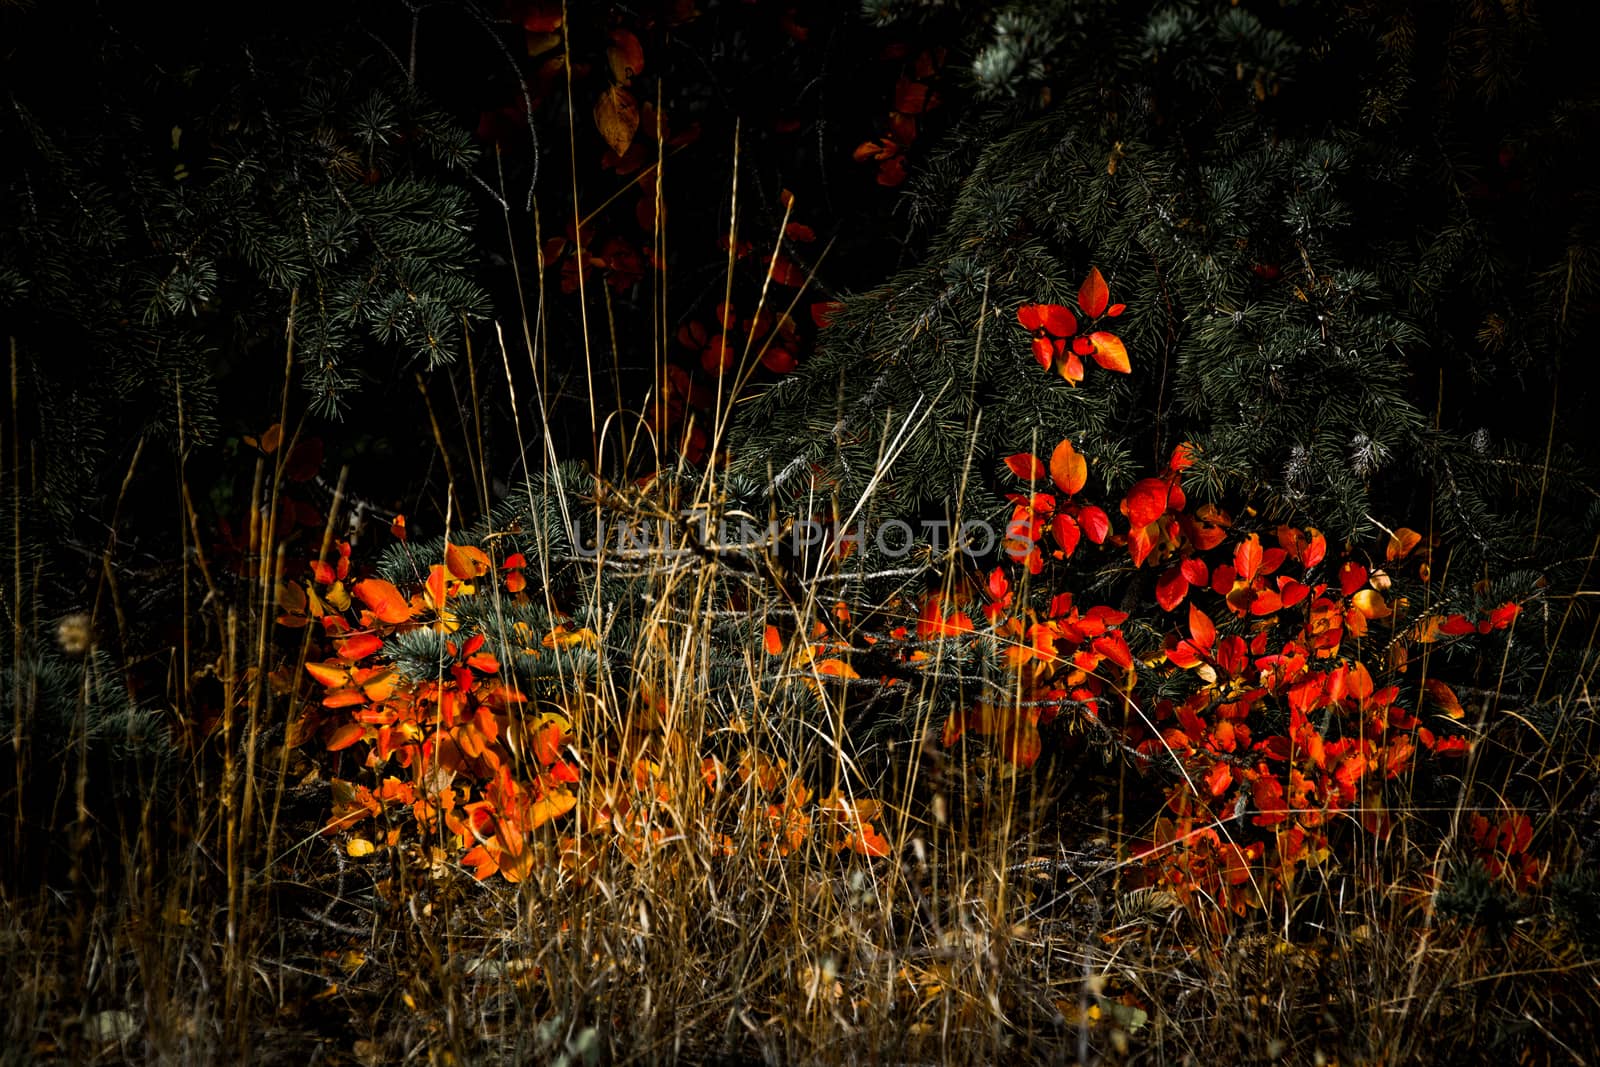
point(1343, 236)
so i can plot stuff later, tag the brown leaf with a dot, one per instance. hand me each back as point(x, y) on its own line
point(617, 117)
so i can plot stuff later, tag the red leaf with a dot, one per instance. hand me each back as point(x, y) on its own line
point(1232, 655)
point(1068, 470)
point(1026, 465)
point(1222, 579)
point(1201, 629)
point(1093, 294)
point(1044, 351)
point(1114, 648)
point(1247, 558)
point(322, 573)
point(779, 360)
point(1195, 571)
point(360, 646)
point(771, 641)
point(1096, 524)
point(1218, 778)
point(1059, 321)
point(1352, 576)
point(625, 56)
point(911, 98)
point(1316, 551)
point(1066, 533)
point(1504, 615)
point(1171, 588)
point(1265, 602)
point(1110, 352)
point(305, 459)
point(1146, 501)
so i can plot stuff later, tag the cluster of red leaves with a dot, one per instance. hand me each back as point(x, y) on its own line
point(1056, 337)
point(1288, 650)
point(1033, 513)
point(913, 97)
point(1502, 848)
point(721, 346)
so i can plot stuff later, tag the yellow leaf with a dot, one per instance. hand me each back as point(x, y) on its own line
point(338, 597)
point(1370, 603)
point(358, 847)
point(549, 807)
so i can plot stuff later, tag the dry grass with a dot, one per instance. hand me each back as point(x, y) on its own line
point(214, 924)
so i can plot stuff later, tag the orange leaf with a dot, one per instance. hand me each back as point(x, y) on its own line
point(869, 842)
point(1093, 294)
point(1068, 470)
point(550, 807)
point(1444, 697)
point(837, 668)
point(616, 115)
point(1110, 352)
point(625, 56)
point(1026, 465)
point(331, 676)
point(772, 641)
point(272, 439)
point(345, 736)
point(383, 599)
point(1114, 648)
point(1201, 629)
point(465, 561)
point(1218, 778)
point(360, 646)
point(1401, 542)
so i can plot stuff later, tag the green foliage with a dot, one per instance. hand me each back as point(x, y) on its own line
point(70, 713)
point(1303, 271)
